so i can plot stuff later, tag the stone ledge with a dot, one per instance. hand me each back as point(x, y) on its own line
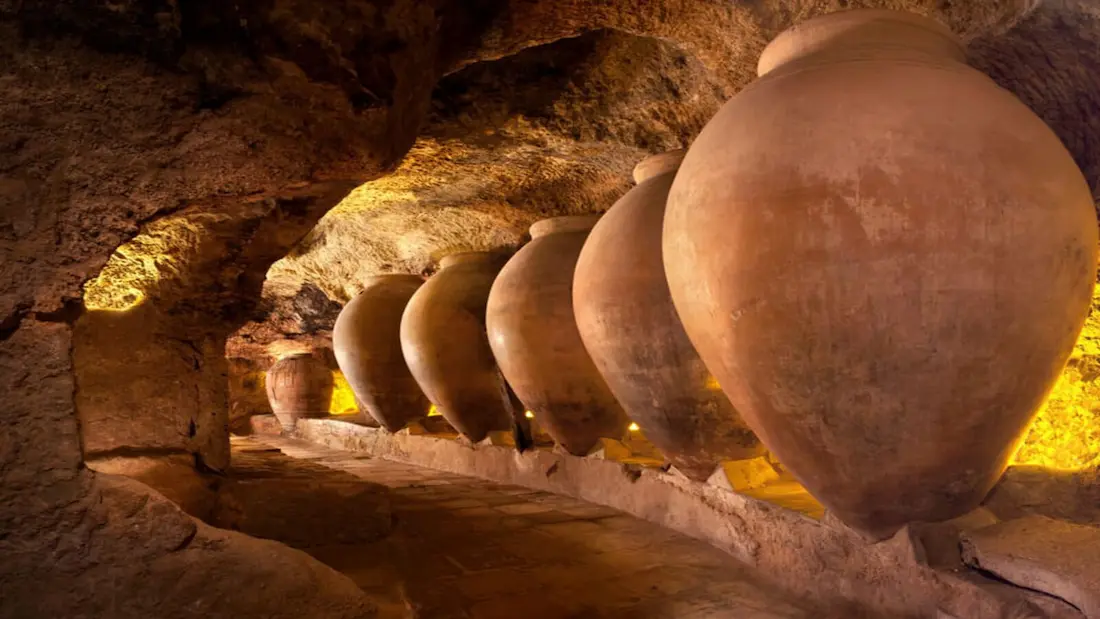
point(815, 558)
point(1060, 558)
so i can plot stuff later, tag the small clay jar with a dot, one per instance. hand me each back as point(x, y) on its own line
point(630, 328)
point(446, 347)
point(885, 259)
point(299, 386)
point(534, 337)
point(367, 342)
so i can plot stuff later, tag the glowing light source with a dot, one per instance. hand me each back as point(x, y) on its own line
point(342, 401)
point(529, 414)
point(633, 427)
point(1066, 433)
point(433, 411)
point(113, 301)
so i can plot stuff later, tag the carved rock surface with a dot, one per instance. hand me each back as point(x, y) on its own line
point(1052, 556)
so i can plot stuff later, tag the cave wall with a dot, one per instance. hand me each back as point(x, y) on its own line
point(152, 375)
point(116, 118)
point(247, 393)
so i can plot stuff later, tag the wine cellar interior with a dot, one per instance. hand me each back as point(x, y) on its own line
point(470, 310)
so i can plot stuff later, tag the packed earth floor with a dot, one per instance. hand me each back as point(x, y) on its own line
point(466, 548)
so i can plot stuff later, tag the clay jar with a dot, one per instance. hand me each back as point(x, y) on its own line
point(446, 347)
point(885, 260)
point(367, 343)
point(298, 386)
point(534, 337)
point(629, 326)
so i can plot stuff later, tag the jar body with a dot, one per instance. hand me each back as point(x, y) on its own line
point(446, 347)
point(534, 338)
point(885, 259)
point(367, 342)
point(630, 328)
point(298, 387)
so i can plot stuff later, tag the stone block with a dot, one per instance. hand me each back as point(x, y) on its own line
point(741, 475)
point(609, 449)
point(939, 541)
point(265, 425)
point(499, 439)
point(1055, 557)
point(414, 428)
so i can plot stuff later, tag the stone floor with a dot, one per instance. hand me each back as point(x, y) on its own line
point(467, 548)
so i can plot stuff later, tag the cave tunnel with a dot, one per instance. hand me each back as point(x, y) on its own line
point(397, 309)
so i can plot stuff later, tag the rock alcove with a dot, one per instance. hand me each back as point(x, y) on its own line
point(191, 190)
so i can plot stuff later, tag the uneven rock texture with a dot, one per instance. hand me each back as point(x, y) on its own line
point(1073, 496)
point(247, 393)
point(553, 130)
point(193, 274)
point(199, 129)
point(84, 545)
point(265, 494)
point(1051, 556)
point(1066, 434)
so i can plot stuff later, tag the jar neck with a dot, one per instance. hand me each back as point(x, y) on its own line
point(391, 277)
point(569, 223)
point(465, 257)
point(658, 165)
point(860, 34)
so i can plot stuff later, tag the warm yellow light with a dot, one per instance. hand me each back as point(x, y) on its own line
point(712, 384)
point(342, 401)
point(433, 411)
point(282, 349)
point(1066, 433)
point(133, 273)
point(529, 414)
point(116, 301)
point(633, 427)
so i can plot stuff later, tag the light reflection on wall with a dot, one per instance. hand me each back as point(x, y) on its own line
point(343, 398)
point(1066, 433)
point(108, 299)
point(121, 285)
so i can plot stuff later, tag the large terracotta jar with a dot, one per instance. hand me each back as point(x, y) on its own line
point(629, 326)
point(446, 347)
point(298, 386)
point(885, 260)
point(534, 337)
point(367, 343)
